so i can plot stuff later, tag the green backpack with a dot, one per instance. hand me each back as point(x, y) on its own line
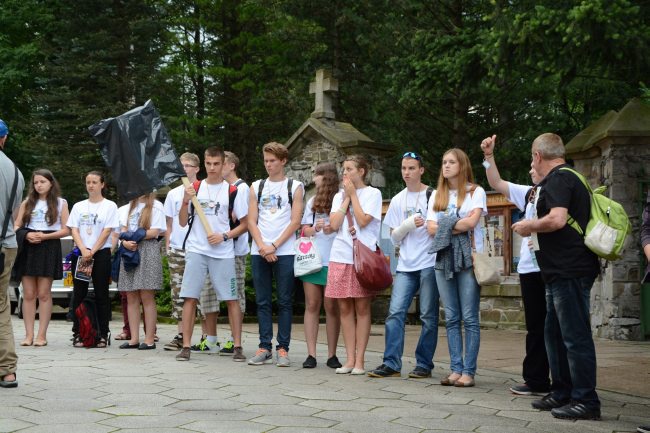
point(608, 225)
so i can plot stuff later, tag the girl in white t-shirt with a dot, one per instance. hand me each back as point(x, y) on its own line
point(457, 194)
point(91, 223)
point(315, 222)
point(141, 282)
point(43, 215)
point(364, 203)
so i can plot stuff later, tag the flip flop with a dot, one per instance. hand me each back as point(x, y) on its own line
point(40, 343)
point(122, 336)
point(27, 342)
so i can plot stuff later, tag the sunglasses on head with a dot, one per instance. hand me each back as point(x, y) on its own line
point(412, 155)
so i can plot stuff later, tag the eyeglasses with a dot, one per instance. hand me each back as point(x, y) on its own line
point(412, 155)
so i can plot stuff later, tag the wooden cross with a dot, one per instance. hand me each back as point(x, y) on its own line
point(323, 88)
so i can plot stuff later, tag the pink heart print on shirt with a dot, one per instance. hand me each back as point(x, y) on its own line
point(304, 247)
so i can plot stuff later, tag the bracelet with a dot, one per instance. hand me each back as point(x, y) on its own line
point(343, 211)
point(185, 203)
point(486, 156)
point(276, 248)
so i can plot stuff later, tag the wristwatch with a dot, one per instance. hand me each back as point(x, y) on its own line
point(225, 236)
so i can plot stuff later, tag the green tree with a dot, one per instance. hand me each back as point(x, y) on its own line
point(99, 58)
point(19, 59)
point(234, 68)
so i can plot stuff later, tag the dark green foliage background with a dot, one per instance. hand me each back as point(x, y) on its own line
point(422, 75)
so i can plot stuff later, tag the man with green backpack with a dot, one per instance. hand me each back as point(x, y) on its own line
point(569, 269)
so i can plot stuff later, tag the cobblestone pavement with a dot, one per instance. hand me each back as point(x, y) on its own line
point(64, 389)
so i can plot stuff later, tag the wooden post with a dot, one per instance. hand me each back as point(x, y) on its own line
point(198, 209)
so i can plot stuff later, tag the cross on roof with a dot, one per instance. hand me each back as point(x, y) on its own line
point(323, 88)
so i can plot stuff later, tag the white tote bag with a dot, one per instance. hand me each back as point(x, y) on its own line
point(306, 259)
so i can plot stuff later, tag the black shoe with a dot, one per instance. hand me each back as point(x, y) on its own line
point(145, 346)
point(643, 429)
point(310, 362)
point(384, 371)
point(127, 345)
point(524, 389)
point(576, 410)
point(334, 362)
point(420, 373)
point(549, 402)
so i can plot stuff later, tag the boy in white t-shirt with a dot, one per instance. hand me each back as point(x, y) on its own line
point(275, 211)
point(406, 218)
point(211, 254)
point(208, 306)
point(242, 248)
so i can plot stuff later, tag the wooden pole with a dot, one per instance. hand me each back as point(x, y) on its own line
point(198, 209)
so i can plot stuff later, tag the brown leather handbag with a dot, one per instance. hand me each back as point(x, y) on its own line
point(372, 267)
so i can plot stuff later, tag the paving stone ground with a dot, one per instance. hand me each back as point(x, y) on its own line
point(65, 389)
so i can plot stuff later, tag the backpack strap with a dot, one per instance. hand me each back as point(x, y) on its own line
point(289, 193)
point(260, 187)
point(232, 194)
point(570, 220)
point(190, 217)
point(429, 192)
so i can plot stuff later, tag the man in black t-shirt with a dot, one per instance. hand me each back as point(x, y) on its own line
point(569, 269)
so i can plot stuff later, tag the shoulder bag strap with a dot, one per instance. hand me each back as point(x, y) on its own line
point(350, 223)
point(10, 205)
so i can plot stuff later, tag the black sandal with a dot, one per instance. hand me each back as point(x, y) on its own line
point(76, 341)
point(104, 341)
point(9, 383)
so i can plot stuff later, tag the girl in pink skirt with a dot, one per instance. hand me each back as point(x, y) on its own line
point(364, 204)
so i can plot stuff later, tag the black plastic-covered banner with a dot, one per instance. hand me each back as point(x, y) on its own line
point(138, 151)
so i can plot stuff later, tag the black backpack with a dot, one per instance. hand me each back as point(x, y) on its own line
point(86, 313)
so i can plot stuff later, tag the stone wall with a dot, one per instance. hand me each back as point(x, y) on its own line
point(615, 297)
point(302, 164)
point(501, 307)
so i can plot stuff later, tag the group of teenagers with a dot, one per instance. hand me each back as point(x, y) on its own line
point(556, 269)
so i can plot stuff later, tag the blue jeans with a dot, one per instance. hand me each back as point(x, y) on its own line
point(461, 296)
point(263, 273)
point(569, 344)
point(405, 287)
